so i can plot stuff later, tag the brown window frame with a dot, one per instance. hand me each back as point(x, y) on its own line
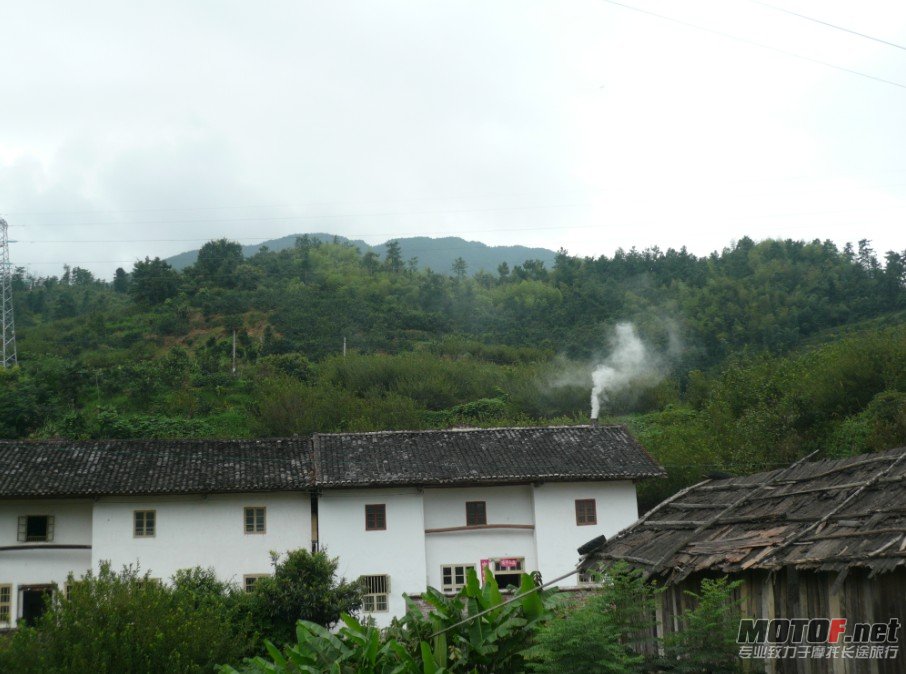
point(583, 517)
point(375, 517)
point(484, 513)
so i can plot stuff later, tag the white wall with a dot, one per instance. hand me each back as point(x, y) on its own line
point(72, 526)
point(399, 551)
point(201, 531)
point(446, 507)
point(505, 505)
point(557, 536)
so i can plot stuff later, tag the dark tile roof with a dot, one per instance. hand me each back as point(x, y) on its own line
point(109, 467)
point(822, 515)
point(59, 468)
point(480, 456)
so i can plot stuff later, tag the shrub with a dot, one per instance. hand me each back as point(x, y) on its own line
point(603, 633)
point(126, 622)
point(304, 587)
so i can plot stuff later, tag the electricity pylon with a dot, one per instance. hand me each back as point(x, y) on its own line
point(6, 299)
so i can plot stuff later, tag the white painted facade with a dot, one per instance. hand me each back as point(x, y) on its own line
point(425, 530)
point(190, 530)
point(206, 531)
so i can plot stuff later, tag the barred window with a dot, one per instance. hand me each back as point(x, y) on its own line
point(35, 528)
point(586, 513)
point(6, 595)
point(377, 593)
point(453, 576)
point(476, 513)
point(145, 523)
point(587, 579)
point(255, 520)
point(375, 517)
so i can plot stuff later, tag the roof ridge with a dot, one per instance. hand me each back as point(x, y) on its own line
point(467, 429)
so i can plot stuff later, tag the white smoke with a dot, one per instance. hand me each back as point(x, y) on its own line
point(629, 363)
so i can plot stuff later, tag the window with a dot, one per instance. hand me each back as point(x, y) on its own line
point(254, 520)
point(476, 513)
point(375, 517)
point(6, 597)
point(508, 571)
point(453, 576)
point(585, 511)
point(145, 523)
point(248, 582)
point(377, 593)
point(35, 528)
point(587, 579)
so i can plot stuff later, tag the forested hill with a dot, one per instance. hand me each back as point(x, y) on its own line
point(422, 252)
point(753, 355)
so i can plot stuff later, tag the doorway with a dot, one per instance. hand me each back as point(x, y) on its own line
point(33, 600)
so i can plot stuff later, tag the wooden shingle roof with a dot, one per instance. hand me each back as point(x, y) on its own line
point(59, 468)
point(480, 456)
point(827, 515)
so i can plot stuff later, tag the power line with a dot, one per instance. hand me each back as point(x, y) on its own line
point(744, 40)
point(825, 23)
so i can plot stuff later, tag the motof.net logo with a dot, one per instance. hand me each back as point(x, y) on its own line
point(818, 638)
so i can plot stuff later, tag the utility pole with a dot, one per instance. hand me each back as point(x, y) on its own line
point(234, 350)
point(344, 347)
point(6, 299)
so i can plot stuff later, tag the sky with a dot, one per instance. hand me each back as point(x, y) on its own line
point(145, 129)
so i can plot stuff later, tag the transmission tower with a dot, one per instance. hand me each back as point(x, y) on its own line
point(6, 299)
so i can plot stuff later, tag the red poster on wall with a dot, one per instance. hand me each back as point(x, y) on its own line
point(508, 563)
point(485, 564)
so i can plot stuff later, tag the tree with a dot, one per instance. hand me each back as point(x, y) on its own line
point(304, 586)
point(153, 282)
point(599, 634)
point(120, 280)
point(217, 263)
point(459, 268)
point(393, 257)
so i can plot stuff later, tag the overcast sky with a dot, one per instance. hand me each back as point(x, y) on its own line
point(129, 130)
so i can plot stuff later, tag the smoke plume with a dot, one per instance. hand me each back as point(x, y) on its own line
point(630, 363)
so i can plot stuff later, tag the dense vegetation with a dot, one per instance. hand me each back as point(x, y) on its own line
point(126, 622)
point(762, 351)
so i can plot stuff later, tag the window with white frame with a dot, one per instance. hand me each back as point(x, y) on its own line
point(248, 581)
point(377, 593)
point(508, 571)
point(35, 528)
point(145, 523)
point(6, 602)
point(255, 520)
point(587, 579)
point(453, 576)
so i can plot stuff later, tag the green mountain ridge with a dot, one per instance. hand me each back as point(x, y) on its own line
point(437, 254)
point(786, 347)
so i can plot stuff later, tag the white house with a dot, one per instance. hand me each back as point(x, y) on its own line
point(401, 510)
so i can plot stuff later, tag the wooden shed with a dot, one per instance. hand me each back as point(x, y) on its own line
point(820, 539)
